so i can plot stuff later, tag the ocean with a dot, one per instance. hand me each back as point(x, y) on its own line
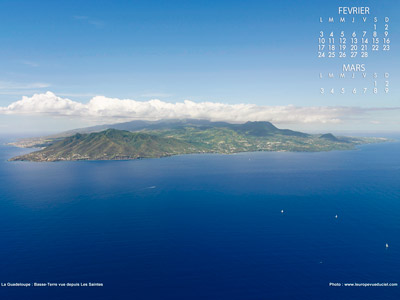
point(246, 226)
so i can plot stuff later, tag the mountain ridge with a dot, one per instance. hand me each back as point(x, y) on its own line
point(138, 125)
point(173, 138)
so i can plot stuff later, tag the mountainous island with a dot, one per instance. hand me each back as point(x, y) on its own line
point(146, 139)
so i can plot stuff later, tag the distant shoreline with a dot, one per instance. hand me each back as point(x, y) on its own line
point(149, 140)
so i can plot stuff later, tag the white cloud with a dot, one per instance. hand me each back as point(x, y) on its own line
point(7, 85)
point(47, 103)
point(103, 109)
point(29, 63)
point(81, 17)
point(156, 95)
point(96, 23)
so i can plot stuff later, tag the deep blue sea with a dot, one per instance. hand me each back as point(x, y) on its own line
point(203, 226)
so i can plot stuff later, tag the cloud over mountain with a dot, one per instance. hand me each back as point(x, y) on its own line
point(108, 109)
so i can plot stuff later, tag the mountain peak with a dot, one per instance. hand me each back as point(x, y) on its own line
point(329, 136)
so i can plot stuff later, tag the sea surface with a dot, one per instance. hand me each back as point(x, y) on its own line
point(203, 226)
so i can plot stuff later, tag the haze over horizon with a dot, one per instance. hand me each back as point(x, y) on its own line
point(67, 114)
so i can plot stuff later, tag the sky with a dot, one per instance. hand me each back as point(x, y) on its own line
point(69, 64)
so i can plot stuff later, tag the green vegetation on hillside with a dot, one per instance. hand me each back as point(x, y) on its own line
point(114, 144)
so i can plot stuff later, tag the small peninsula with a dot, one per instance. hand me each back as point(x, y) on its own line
point(144, 139)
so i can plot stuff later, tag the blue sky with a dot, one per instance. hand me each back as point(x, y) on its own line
point(252, 52)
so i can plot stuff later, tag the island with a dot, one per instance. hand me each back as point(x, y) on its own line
point(145, 139)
